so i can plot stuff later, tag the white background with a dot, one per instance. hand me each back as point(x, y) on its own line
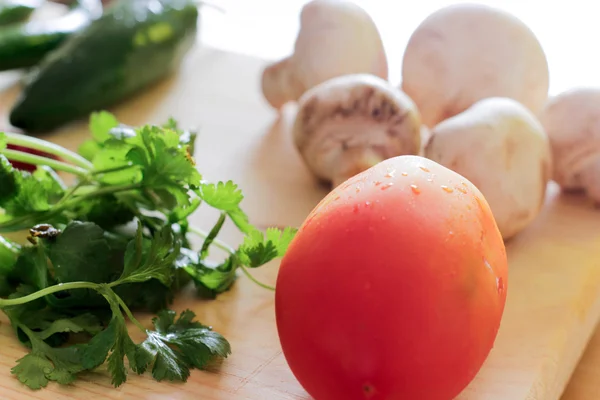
point(568, 30)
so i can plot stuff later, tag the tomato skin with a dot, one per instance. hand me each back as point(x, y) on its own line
point(394, 287)
point(24, 166)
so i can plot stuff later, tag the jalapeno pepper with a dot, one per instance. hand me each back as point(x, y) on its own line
point(134, 44)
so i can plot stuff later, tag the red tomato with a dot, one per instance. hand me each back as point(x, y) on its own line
point(25, 166)
point(394, 286)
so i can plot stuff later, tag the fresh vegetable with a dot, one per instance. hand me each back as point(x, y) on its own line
point(570, 120)
point(25, 166)
point(85, 270)
point(25, 45)
point(336, 38)
point(394, 286)
point(14, 11)
point(468, 52)
point(350, 123)
point(502, 148)
point(134, 44)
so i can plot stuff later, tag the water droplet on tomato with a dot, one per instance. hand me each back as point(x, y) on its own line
point(387, 186)
point(500, 284)
point(424, 169)
point(390, 173)
point(405, 174)
point(447, 189)
point(357, 189)
point(487, 265)
point(415, 189)
point(367, 203)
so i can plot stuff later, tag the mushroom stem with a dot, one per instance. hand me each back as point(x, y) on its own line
point(280, 83)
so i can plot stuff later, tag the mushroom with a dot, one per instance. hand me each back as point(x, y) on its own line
point(336, 38)
point(572, 122)
point(464, 53)
point(348, 124)
point(502, 148)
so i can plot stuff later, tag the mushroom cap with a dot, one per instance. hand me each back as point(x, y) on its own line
point(501, 147)
point(572, 122)
point(350, 123)
point(341, 38)
point(336, 38)
point(464, 53)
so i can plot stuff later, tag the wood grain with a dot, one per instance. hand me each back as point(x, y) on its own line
point(554, 281)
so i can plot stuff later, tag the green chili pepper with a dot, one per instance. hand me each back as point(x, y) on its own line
point(25, 45)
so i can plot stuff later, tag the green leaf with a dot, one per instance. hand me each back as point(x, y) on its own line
point(97, 349)
point(158, 261)
point(176, 345)
point(45, 363)
point(31, 267)
point(225, 196)
point(258, 250)
point(82, 253)
point(8, 181)
point(86, 322)
point(212, 279)
point(100, 125)
point(24, 193)
point(31, 370)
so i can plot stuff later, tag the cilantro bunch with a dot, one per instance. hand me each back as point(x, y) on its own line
point(114, 241)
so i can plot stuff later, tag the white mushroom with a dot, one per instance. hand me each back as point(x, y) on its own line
point(502, 148)
point(336, 38)
point(465, 53)
point(572, 122)
point(350, 123)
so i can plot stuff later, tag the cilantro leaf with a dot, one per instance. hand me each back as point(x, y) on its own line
point(114, 338)
point(86, 322)
point(44, 363)
point(225, 196)
point(24, 193)
point(176, 345)
point(82, 253)
point(259, 249)
point(211, 278)
point(100, 125)
point(157, 263)
point(8, 181)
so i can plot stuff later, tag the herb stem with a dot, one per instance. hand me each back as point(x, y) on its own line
point(47, 147)
point(253, 279)
point(128, 312)
point(219, 243)
point(16, 155)
point(49, 290)
point(109, 170)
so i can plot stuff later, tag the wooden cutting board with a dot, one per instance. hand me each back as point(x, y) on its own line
point(554, 281)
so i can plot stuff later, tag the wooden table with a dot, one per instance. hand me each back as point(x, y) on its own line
point(554, 282)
